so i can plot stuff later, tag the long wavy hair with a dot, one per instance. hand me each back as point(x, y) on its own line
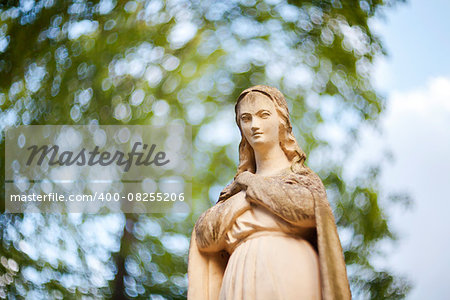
point(287, 140)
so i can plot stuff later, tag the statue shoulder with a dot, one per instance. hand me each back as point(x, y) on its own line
point(309, 179)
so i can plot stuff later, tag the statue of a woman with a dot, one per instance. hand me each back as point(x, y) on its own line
point(272, 234)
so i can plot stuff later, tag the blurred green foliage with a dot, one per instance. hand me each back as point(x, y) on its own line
point(149, 62)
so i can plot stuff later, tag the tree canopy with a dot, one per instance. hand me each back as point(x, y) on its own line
point(150, 62)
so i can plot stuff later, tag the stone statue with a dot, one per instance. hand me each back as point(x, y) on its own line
point(272, 234)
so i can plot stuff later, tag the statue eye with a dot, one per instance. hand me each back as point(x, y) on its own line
point(245, 118)
point(265, 115)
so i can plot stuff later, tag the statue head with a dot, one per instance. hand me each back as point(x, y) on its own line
point(287, 141)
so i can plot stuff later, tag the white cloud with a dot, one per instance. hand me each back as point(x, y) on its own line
point(432, 99)
point(417, 130)
point(382, 75)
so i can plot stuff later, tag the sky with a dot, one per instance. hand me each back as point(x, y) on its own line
point(415, 78)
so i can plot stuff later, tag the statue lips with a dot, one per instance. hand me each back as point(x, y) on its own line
point(257, 134)
point(257, 137)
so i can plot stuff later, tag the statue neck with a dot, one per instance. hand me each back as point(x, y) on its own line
point(271, 161)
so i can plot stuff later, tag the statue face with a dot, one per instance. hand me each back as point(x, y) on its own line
point(259, 121)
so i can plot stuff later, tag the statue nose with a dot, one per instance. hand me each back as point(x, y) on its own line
point(255, 124)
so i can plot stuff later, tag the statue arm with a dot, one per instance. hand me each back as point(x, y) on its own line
point(213, 224)
point(285, 197)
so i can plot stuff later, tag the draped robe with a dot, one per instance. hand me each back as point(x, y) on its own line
point(297, 198)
